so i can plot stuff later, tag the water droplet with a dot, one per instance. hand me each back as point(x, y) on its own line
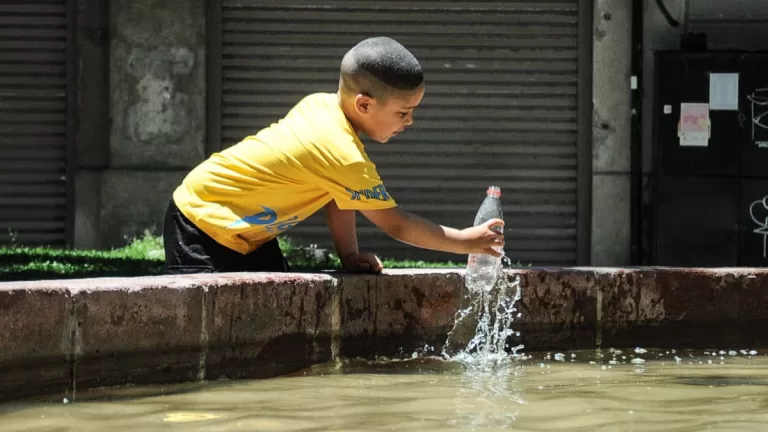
point(641, 350)
point(65, 401)
point(638, 361)
point(753, 352)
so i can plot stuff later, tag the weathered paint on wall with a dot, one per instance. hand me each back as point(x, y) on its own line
point(157, 130)
point(161, 112)
point(157, 77)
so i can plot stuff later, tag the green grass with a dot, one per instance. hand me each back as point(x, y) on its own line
point(144, 256)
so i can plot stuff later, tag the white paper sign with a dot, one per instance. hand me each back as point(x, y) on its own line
point(724, 91)
point(694, 127)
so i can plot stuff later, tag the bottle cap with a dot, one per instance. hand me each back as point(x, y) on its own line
point(494, 191)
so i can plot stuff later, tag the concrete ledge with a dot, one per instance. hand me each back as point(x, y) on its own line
point(58, 337)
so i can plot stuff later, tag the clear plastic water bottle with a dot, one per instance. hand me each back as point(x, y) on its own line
point(483, 270)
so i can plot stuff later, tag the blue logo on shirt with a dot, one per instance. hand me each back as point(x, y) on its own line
point(266, 218)
point(377, 192)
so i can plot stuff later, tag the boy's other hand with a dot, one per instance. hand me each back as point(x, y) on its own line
point(362, 263)
point(483, 238)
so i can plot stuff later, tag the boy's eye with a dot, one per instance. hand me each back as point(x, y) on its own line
point(403, 114)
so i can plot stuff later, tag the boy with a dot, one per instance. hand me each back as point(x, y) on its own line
point(228, 211)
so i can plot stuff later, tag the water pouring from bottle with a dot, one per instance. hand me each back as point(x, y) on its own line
point(492, 296)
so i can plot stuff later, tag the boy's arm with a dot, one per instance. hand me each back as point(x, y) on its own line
point(417, 231)
point(342, 225)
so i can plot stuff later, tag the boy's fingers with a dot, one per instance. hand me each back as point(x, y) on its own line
point(372, 262)
point(496, 224)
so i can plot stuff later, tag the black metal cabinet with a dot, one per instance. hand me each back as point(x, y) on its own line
point(697, 222)
point(684, 78)
point(709, 203)
point(753, 218)
point(754, 116)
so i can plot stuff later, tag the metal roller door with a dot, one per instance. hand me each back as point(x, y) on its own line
point(500, 107)
point(34, 72)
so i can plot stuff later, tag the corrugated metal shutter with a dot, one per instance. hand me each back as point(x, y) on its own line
point(33, 121)
point(500, 106)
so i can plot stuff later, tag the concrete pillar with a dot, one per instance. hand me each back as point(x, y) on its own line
point(611, 133)
point(157, 105)
point(93, 119)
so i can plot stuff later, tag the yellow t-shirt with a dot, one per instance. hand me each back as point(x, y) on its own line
point(251, 192)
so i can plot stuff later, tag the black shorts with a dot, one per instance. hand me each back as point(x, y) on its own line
point(189, 250)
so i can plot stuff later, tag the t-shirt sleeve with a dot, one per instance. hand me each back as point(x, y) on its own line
point(359, 187)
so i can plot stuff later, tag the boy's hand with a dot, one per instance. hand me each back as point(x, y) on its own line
point(414, 230)
point(483, 238)
point(362, 263)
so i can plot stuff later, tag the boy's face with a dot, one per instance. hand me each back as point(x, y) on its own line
point(382, 121)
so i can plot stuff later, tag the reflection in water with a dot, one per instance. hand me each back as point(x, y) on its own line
point(494, 398)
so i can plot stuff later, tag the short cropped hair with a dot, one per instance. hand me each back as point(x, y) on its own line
point(379, 67)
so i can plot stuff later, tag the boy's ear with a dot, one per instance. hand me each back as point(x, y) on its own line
point(363, 103)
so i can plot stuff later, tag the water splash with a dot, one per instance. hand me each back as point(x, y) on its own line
point(494, 312)
point(480, 341)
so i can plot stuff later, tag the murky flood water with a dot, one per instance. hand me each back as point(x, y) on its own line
point(569, 391)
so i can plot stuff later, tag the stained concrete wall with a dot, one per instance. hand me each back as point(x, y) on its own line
point(142, 126)
point(58, 336)
point(611, 178)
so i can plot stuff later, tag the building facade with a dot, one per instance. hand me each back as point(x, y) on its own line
point(105, 106)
